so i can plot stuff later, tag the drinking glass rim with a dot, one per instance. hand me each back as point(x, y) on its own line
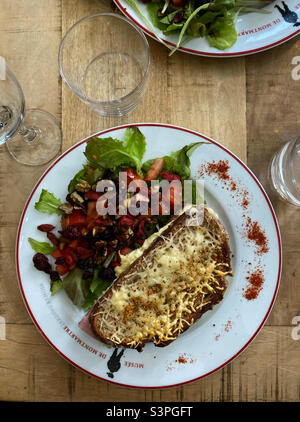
point(84, 98)
point(291, 154)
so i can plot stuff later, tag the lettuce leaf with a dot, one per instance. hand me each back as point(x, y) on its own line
point(222, 33)
point(177, 162)
point(41, 247)
point(48, 203)
point(97, 286)
point(109, 153)
point(76, 287)
point(135, 143)
point(152, 9)
point(56, 286)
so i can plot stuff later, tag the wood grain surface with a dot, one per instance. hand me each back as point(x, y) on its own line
point(248, 104)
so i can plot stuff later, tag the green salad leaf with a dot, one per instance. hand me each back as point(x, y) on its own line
point(97, 286)
point(109, 153)
point(135, 143)
point(48, 203)
point(177, 162)
point(41, 247)
point(76, 179)
point(76, 287)
point(153, 9)
point(222, 33)
point(82, 292)
point(173, 27)
point(56, 286)
point(167, 20)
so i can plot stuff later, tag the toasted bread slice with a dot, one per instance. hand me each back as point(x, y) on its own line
point(179, 277)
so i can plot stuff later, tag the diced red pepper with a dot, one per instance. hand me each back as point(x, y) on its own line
point(127, 220)
point(69, 260)
point(83, 252)
point(125, 251)
point(167, 175)
point(103, 221)
point(77, 218)
point(140, 241)
point(92, 213)
point(131, 175)
point(74, 243)
point(92, 195)
point(57, 253)
point(62, 270)
point(115, 264)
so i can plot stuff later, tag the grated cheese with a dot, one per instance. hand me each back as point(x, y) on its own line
point(176, 279)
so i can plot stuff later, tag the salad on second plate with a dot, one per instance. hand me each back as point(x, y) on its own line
point(215, 19)
point(85, 248)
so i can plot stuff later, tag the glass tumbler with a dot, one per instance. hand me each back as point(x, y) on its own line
point(285, 172)
point(104, 60)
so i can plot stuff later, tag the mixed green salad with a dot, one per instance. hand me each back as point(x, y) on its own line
point(215, 19)
point(85, 247)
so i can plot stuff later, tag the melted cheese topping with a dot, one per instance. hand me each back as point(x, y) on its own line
point(127, 260)
point(177, 279)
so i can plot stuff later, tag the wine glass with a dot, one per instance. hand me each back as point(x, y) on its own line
point(32, 137)
point(284, 172)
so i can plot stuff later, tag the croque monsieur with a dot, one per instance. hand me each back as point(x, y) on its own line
point(167, 285)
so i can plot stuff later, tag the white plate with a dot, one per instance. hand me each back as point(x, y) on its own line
point(214, 340)
point(256, 31)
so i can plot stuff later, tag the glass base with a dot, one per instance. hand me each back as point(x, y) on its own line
point(38, 139)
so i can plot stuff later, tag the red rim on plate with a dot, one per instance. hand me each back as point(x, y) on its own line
point(170, 127)
point(205, 53)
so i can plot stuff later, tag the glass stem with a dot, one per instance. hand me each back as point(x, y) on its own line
point(29, 134)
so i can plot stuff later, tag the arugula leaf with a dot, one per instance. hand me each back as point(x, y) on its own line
point(177, 162)
point(76, 287)
point(109, 153)
point(56, 286)
point(41, 247)
point(48, 203)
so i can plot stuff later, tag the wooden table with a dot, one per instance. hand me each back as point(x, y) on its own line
point(249, 104)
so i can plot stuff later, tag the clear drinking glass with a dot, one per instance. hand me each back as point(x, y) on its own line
point(285, 172)
point(32, 138)
point(104, 60)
